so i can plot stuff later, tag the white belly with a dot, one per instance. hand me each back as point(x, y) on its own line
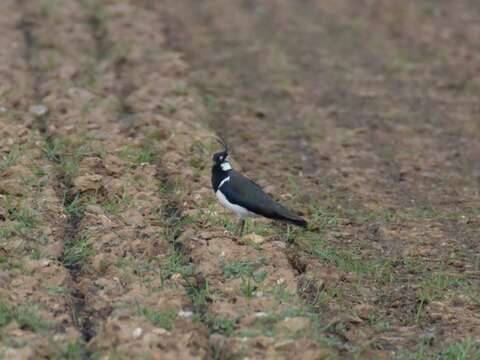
point(240, 211)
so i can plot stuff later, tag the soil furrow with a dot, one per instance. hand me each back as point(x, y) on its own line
point(127, 302)
point(80, 314)
point(140, 72)
point(36, 298)
point(65, 188)
point(129, 31)
point(55, 148)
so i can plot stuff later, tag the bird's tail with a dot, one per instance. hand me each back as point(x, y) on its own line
point(296, 220)
point(278, 212)
point(286, 215)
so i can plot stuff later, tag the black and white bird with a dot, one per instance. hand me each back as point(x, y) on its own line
point(242, 196)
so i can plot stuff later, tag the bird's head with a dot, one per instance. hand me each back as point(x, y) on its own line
point(221, 160)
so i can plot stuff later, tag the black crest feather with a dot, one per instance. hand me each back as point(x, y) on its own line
point(222, 142)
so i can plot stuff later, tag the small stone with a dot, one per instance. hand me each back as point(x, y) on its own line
point(38, 110)
point(185, 313)
point(160, 331)
point(260, 314)
point(45, 263)
point(88, 182)
point(138, 332)
point(283, 345)
point(464, 220)
point(103, 283)
point(254, 238)
point(176, 277)
point(94, 210)
point(270, 189)
point(3, 109)
point(295, 324)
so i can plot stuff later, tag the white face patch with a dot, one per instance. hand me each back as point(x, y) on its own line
point(226, 165)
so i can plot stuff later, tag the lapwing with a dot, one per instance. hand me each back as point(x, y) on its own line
point(242, 196)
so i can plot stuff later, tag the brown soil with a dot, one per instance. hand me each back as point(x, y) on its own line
point(361, 115)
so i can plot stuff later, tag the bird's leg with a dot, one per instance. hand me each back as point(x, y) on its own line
point(242, 225)
point(289, 237)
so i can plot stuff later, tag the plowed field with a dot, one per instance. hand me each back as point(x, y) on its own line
point(362, 115)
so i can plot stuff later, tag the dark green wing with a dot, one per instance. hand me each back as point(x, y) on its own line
point(244, 192)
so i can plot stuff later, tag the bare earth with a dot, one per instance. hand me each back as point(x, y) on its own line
point(362, 115)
